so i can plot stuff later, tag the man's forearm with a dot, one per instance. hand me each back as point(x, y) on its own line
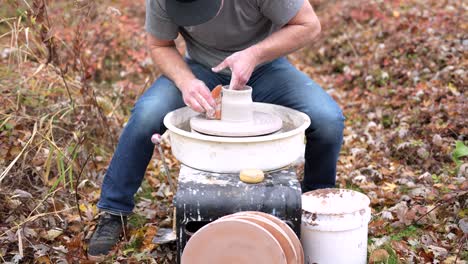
point(194, 91)
point(172, 65)
point(285, 41)
point(299, 32)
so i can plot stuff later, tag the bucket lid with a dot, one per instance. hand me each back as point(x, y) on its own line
point(334, 201)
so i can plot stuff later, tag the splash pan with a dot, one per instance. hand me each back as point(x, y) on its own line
point(232, 154)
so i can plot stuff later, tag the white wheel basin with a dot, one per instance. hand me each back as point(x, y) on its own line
point(232, 154)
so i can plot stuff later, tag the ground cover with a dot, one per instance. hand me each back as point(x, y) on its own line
point(71, 71)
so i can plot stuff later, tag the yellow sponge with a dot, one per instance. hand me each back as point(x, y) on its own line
point(251, 176)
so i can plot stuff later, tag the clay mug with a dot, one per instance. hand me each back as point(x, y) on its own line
point(237, 105)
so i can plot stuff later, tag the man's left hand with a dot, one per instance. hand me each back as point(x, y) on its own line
point(242, 64)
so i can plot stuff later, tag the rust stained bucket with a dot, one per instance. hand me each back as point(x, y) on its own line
point(334, 226)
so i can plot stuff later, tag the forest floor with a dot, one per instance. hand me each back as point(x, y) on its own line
point(71, 71)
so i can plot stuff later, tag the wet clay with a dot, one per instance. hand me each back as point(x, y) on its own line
point(235, 116)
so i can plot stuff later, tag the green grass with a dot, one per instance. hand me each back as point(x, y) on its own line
point(354, 187)
point(137, 221)
point(409, 231)
point(459, 152)
point(464, 255)
point(393, 258)
point(134, 245)
point(145, 192)
point(387, 121)
point(404, 189)
point(65, 169)
point(463, 213)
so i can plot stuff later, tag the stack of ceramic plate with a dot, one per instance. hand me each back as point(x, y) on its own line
point(244, 237)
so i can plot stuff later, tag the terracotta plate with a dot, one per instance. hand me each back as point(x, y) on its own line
point(287, 229)
point(230, 241)
point(264, 123)
point(274, 229)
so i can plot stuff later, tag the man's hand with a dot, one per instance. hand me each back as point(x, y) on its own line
point(195, 93)
point(298, 32)
point(197, 96)
point(242, 64)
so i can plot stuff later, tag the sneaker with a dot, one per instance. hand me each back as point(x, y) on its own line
point(108, 232)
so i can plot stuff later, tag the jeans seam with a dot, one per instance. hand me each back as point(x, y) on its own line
point(113, 211)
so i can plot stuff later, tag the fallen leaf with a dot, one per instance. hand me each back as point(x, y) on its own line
point(379, 256)
point(389, 187)
point(150, 233)
point(43, 260)
point(53, 234)
point(18, 193)
point(463, 224)
point(439, 252)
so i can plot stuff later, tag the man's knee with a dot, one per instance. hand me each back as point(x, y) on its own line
point(147, 117)
point(327, 124)
point(149, 111)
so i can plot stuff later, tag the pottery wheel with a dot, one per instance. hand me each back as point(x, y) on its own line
point(233, 241)
point(262, 124)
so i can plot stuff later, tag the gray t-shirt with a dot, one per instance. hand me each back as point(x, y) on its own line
point(239, 25)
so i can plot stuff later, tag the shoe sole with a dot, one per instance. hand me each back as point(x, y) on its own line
point(97, 258)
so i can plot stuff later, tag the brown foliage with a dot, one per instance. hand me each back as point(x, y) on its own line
point(71, 70)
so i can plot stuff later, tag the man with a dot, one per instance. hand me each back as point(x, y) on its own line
point(235, 42)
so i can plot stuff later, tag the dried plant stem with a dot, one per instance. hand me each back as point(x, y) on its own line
point(351, 45)
point(440, 203)
point(20, 242)
point(461, 244)
point(77, 199)
point(52, 143)
point(82, 259)
point(42, 201)
point(35, 217)
point(8, 117)
point(72, 103)
point(5, 172)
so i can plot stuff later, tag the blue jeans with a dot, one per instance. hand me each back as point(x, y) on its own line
point(277, 82)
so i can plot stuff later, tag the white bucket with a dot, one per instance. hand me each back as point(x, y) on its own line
point(334, 226)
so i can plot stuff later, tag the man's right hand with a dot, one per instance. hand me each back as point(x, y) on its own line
point(197, 96)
